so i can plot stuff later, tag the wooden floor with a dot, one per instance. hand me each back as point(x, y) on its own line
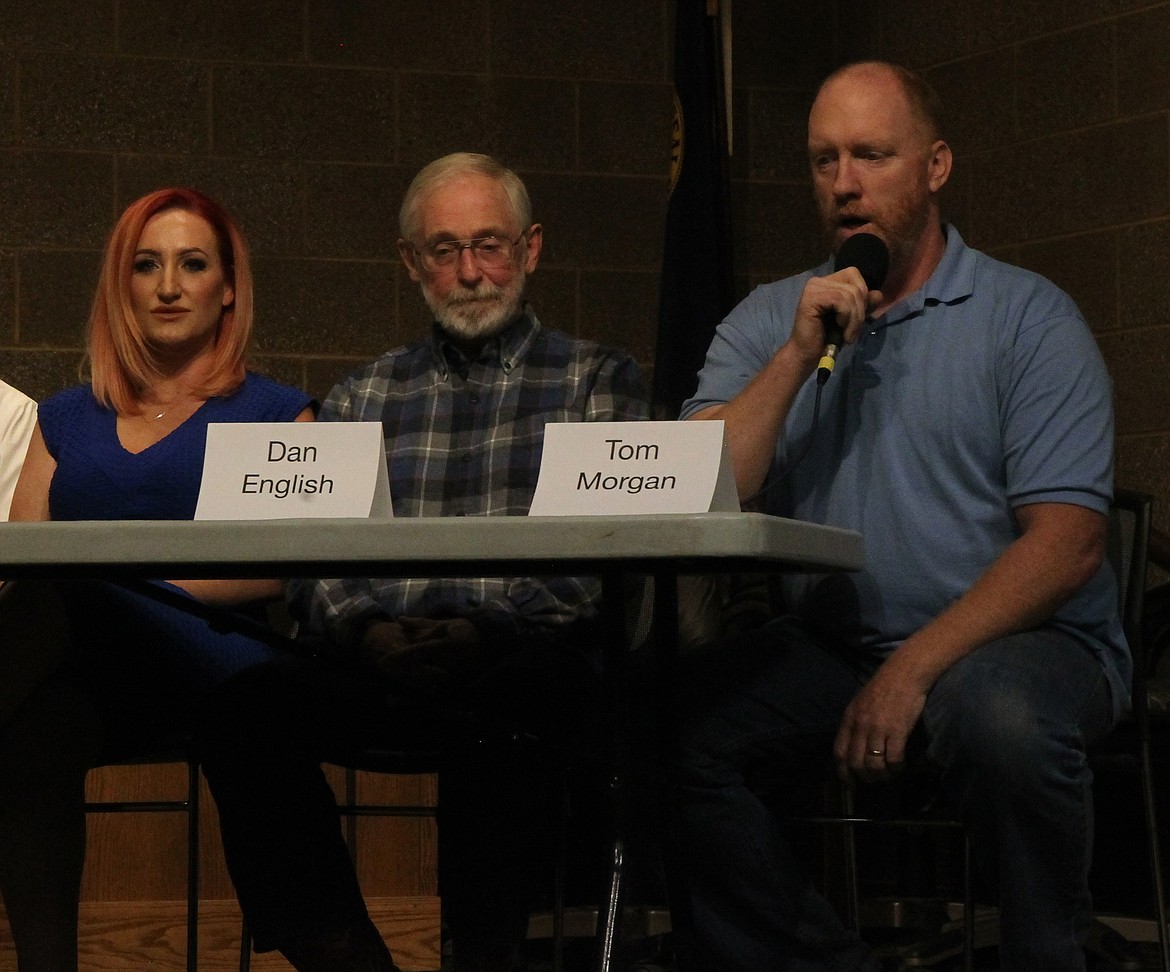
point(137, 935)
point(133, 908)
point(131, 936)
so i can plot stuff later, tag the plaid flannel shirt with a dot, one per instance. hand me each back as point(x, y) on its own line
point(464, 438)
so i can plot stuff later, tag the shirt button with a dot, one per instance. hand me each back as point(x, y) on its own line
point(474, 399)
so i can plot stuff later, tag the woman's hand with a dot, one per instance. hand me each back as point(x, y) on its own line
point(231, 593)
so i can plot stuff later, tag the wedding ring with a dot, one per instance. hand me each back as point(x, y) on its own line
point(877, 752)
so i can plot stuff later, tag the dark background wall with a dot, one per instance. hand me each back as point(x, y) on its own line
point(307, 117)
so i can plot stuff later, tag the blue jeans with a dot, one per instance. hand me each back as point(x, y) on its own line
point(1008, 725)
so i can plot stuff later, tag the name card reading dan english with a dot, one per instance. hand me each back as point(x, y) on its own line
point(274, 470)
point(607, 468)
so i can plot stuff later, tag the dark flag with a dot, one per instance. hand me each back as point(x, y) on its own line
point(697, 287)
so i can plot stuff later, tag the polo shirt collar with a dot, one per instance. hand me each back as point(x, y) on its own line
point(953, 281)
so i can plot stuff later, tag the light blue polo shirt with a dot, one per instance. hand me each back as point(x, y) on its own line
point(981, 392)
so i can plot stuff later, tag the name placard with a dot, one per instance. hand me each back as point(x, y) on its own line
point(274, 470)
point(607, 468)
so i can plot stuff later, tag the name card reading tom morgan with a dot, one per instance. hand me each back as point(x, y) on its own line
point(274, 470)
point(608, 468)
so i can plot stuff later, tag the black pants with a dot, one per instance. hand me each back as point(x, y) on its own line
point(87, 671)
point(499, 737)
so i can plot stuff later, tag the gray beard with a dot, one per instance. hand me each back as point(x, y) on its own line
point(475, 320)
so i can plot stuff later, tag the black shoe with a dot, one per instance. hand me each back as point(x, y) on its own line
point(357, 948)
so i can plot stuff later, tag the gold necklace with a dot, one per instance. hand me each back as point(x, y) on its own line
point(169, 408)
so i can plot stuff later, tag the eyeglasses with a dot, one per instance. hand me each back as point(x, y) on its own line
point(490, 252)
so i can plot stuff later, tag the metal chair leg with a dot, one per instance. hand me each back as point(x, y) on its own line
point(192, 866)
point(245, 947)
point(617, 701)
point(849, 855)
point(968, 909)
point(558, 916)
point(190, 807)
point(1155, 851)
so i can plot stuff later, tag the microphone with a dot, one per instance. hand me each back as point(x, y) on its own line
point(870, 255)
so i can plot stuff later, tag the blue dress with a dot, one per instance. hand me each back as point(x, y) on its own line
point(97, 479)
point(132, 646)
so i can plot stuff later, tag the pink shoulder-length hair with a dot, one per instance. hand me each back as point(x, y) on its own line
point(120, 361)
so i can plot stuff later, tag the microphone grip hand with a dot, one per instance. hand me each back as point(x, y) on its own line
point(871, 258)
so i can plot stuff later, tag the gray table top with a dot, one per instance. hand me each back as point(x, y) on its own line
point(424, 546)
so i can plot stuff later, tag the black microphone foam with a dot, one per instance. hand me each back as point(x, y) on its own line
point(869, 254)
point(872, 258)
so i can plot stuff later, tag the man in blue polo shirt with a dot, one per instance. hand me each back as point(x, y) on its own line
point(967, 433)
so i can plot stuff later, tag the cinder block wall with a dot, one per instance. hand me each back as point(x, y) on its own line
point(1058, 115)
point(1060, 118)
point(307, 117)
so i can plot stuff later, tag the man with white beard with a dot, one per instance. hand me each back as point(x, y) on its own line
point(434, 662)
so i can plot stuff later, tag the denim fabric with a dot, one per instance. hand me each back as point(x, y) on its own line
point(1008, 725)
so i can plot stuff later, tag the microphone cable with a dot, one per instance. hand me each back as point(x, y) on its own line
point(780, 477)
point(870, 255)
